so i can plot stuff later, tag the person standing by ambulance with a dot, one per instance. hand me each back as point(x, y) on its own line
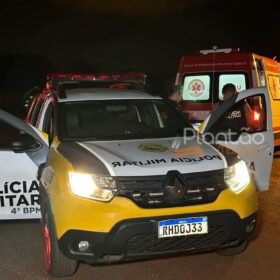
point(238, 117)
point(174, 97)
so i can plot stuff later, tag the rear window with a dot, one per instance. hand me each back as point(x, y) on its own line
point(196, 88)
point(239, 80)
point(207, 87)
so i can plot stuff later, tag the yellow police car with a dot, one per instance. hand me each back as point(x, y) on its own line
point(123, 176)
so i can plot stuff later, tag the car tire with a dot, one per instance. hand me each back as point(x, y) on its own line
point(56, 264)
point(234, 250)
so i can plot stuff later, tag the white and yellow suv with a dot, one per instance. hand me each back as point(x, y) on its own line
point(123, 176)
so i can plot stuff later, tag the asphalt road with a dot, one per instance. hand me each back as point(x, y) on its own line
point(21, 253)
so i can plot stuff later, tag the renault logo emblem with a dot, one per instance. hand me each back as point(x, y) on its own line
point(175, 186)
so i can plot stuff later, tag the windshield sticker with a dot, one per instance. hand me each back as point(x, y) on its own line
point(164, 161)
point(155, 148)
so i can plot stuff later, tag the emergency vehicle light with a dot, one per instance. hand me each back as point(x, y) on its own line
point(139, 77)
point(214, 50)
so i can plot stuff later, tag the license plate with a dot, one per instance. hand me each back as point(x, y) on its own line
point(182, 227)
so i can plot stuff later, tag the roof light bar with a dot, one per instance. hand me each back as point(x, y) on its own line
point(215, 50)
point(139, 77)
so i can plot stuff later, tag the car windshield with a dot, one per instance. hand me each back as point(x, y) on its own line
point(121, 120)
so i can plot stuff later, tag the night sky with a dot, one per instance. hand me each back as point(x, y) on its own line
point(106, 35)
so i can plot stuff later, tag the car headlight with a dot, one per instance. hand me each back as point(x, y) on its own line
point(101, 188)
point(237, 177)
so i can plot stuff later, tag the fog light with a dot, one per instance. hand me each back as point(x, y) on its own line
point(83, 246)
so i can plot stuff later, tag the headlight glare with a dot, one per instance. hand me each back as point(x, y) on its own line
point(237, 177)
point(101, 188)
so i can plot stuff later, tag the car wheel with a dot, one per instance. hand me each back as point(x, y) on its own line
point(234, 250)
point(56, 264)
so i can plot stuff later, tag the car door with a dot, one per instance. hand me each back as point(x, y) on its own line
point(254, 141)
point(19, 197)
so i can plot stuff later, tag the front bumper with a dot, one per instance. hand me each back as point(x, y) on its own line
point(137, 238)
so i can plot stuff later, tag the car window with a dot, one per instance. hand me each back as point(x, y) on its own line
point(274, 86)
point(120, 119)
point(196, 87)
point(246, 116)
point(35, 112)
point(7, 135)
point(42, 112)
point(48, 121)
point(239, 80)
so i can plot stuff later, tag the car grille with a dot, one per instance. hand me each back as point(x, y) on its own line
point(151, 192)
point(150, 243)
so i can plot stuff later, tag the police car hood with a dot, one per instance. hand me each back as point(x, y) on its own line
point(144, 157)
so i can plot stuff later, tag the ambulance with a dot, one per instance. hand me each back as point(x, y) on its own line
point(203, 75)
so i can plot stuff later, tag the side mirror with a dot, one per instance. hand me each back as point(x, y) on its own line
point(24, 143)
